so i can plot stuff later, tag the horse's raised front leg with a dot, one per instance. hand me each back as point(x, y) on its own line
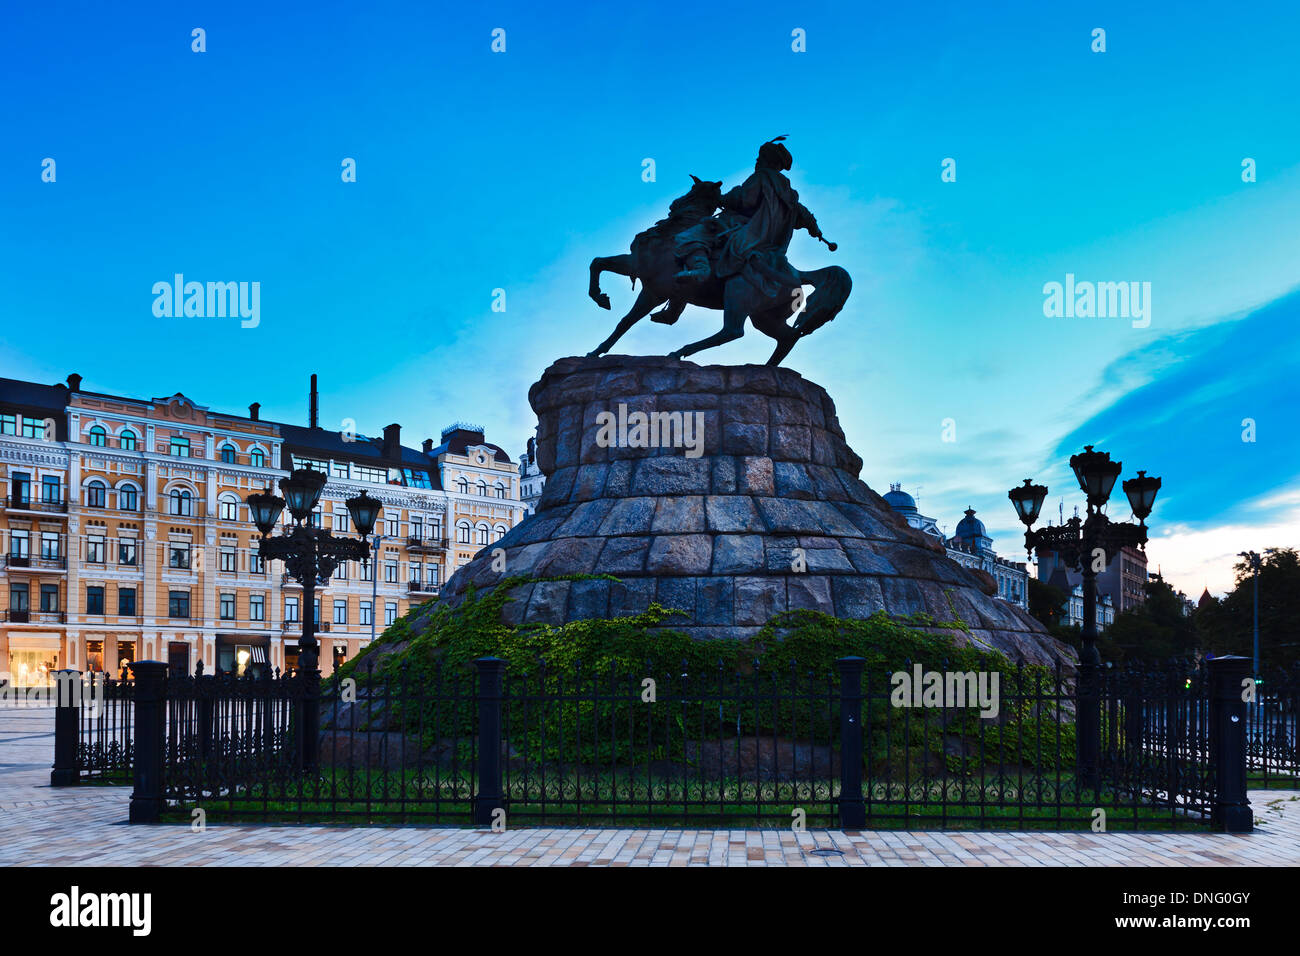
point(619, 264)
point(646, 301)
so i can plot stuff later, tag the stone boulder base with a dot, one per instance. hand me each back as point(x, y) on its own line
point(769, 516)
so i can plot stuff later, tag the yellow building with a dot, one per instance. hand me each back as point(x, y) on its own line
point(125, 534)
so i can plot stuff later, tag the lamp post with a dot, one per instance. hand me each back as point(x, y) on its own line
point(1256, 562)
point(310, 556)
point(1087, 546)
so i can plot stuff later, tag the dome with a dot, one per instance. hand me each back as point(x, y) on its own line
point(900, 500)
point(970, 526)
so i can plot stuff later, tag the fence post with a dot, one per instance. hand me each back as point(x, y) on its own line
point(150, 728)
point(853, 811)
point(489, 797)
point(1231, 810)
point(67, 729)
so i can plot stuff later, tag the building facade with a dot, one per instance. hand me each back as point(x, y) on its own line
point(531, 479)
point(125, 534)
point(970, 546)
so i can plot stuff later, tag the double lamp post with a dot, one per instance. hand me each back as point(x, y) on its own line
point(1087, 546)
point(310, 556)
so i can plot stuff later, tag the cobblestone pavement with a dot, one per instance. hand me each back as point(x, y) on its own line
point(85, 826)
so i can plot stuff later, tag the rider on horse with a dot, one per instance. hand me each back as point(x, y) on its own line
point(758, 220)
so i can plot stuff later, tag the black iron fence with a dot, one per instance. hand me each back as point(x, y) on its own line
point(494, 746)
point(1272, 734)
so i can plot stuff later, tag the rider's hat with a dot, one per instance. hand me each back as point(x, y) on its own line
point(773, 154)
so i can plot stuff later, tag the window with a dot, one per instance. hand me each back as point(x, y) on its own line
point(180, 447)
point(417, 527)
point(228, 509)
point(291, 610)
point(390, 613)
point(227, 607)
point(226, 560)
point(256, 563)
point(339, 469)
point(257, 458)
point(94, 600)
point(20, 486)
point(366, 473)
point(501, 490)
point(416, 570)
point(435, 572)
point(126, 551)
point(391, 523)
point(340, 612)
point(390, 572)
point(126, 601)
point(96, 495)
point(462, 533)
point(49, 597)
point(34, 428)
point(498, 532)
point(95, 549)
point(128, 498)
point(416, 477)
point(341, 572)
point(257, 607)
point(19, 545)
point(179, 556)
point(228, 454)
point(50, 545)
point(51, 489)
point(315, 518)
point(482, 534)
point(482, 488)
point(315, 464)
point(341, 521)
point(8, 425)
point(98, 436)
point(367, 570)
point(178, 603)
point(18, 597)
point(182, 502)
point(127, 440)
point(367, 615)
point(462, 486)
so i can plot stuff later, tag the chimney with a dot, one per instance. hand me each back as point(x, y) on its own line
point(254, 409)
point(393, 442)
point(74, 382)
point(313, 407)
point(428, 445)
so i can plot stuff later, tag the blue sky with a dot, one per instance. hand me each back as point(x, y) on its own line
point(478, 171)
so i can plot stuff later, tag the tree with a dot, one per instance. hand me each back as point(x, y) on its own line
point(1156, 629)
point(1226, 626)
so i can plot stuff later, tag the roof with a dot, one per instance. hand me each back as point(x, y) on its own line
point(52, 398)
point(458, 440)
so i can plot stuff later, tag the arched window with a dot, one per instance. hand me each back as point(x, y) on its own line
point(462, 485)
point(96, 495)
point(501, 490)
point(462, 532)
point(257, 458)
point(482, 534)
point(128, 498)
point(228, 508)
point(482, 487)
point(499, 532)
point(182, 502)
point(228, 454)
point(127, 440)
point(98, 436)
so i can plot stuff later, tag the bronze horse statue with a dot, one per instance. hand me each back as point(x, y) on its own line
point(654, 261)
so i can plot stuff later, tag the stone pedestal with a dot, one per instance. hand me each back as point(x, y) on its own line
point(764, 513)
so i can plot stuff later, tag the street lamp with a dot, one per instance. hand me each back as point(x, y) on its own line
point(310, 556)
point(1256, 562)
point(1088, 546)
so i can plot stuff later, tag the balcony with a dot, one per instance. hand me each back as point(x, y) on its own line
point(25, 503)
point(26, 562)
point(15, 616)
point(419, 587)
point(422, 545)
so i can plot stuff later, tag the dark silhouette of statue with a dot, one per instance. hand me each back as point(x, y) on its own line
point(734, 261)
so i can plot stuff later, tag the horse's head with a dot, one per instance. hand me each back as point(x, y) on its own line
point(704, 197)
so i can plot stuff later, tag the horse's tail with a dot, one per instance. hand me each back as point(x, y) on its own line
point(831, 287)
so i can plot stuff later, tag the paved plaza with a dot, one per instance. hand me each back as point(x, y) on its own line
point(86, 826)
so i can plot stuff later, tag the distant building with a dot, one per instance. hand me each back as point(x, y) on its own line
point(1072, 609)
point(531, 479)
point(1124, 579)
point(970, 546)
